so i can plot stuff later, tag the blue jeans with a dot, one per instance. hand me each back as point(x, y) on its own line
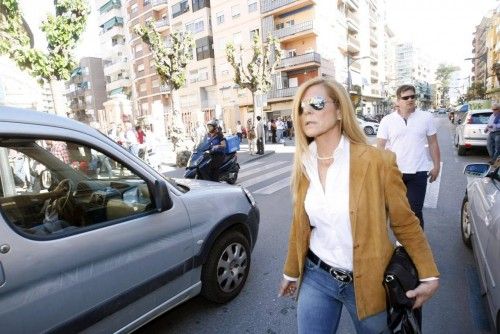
point(321, 299)
point(493, 145)
point(416, 185)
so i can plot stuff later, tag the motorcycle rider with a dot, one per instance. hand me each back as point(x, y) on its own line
point(217, 145)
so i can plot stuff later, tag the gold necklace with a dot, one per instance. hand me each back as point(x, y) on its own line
point(324, 158)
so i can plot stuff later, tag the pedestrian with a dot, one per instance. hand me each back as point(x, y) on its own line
point(217, 145)
point(239, 131)
point(273, 131)
point(131, 142)
point(289, 126)
point(407, 132)
point(269, 133)
point(344, 191)
point(493, 131)
point(141, 143)
point(251, 140)
point(259, 131)
point(280, 127)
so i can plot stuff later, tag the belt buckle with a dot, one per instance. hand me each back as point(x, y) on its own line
point(341, 275)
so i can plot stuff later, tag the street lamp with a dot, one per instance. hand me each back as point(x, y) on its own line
point(485, 56)
point(351, 61)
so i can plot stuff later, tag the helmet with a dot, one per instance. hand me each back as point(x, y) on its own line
point(213, 123)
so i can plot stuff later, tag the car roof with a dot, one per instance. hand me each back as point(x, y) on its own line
point(27, 116)
point(475, 111)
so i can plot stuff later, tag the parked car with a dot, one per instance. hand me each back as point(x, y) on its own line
point(480, 227)
point(470, 130)
point(369, 127)
point(441, 111)
point(93, 239)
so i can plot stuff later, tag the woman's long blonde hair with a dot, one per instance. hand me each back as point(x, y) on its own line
point(349, 127)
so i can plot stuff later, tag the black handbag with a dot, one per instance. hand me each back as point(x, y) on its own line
point(400, 276)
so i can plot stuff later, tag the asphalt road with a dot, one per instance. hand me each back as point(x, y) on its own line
point(457, 307)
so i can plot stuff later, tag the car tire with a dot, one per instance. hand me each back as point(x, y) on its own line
point(461, 150)
point(465, 223)
point(226, 270)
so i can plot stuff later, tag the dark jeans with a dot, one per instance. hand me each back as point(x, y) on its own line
point(493, 145)
point(416, 185)
point(260, 146)
point(240, 136)
point(214, 167)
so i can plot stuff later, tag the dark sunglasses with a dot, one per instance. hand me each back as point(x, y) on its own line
point(408, 97)
point(316, 103)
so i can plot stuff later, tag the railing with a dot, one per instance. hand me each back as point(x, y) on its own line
point(375, 92)
point(281, 93)
point(354, 4)
point(208, 104)
point(165, 88)
point(159, 2)
point(353, 41)
point(269, 5)
point(301, 59)
point(162, 23)
point(356, 66)
point(353, 18)
point(294, 29)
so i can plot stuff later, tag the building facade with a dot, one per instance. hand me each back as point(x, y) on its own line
point(86, 91)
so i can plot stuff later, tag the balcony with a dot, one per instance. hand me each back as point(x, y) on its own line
point(296, 61)
point(115, 31)
point(208, 104)
point(267, 6)
point(373, 40)
point(356, 67)
point(162, 25)
point(373, 57)
point(116, 66)
point(352, 22)
point(117, 84)
point(282, 93)
point(352, 44)
point(375, 92)
point(165, 89)
point(293, 29)
point(374, 76)
point(159, 4)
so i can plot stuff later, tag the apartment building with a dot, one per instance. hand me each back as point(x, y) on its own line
point(414, 67)
point(86, 91)
point(480, 51)
point(493, 58)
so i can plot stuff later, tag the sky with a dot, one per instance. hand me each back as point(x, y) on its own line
point(441, 28)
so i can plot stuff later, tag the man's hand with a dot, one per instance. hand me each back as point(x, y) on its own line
point(287, 288)
point(423, 292)
point(433, 174)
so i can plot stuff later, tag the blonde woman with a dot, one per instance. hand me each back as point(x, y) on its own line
point(344, 192)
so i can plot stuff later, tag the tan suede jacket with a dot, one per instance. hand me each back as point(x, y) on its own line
point(377, 195)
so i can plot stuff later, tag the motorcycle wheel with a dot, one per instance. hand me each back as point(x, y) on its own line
point(232, 180)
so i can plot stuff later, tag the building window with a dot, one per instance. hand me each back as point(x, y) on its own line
point(220, 17)
point(279, 26)
point(203, 74)
point(235, 11)
point(142, 87)
point(180, 8)
point(144, 108)
point(237, 38)
point(138, 50)
point(204, 48)
point(155, 83)
point(193, 76)
point(253, 33)
point(146, 3)
point(140, 68)
point(195, 26)
point(134, 8)
point(252, 6)
point(199, 4)
point(221, 43)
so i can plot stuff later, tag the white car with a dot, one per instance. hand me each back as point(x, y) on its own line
point(470, 130)
point(369, 127)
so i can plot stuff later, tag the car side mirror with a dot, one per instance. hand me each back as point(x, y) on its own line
point(477, 170)
point(46, 179)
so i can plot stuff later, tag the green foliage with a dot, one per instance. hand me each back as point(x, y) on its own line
point(476, 91)
point(170, 61)
point(257, 74)
point(62, 32)
point(443, 75)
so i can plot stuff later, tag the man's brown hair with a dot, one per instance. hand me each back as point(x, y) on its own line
point(404, 88)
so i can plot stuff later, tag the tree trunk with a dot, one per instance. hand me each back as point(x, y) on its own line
point(56, 89)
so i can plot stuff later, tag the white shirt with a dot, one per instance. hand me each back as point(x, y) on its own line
point(328, 210)
point(409, 139)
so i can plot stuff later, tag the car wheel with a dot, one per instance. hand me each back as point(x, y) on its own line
point(226, 270)
point(465, 222)
point(232, 180)
point(369, 130)
point(461, 150)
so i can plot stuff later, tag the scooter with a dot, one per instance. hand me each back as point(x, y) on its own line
point(197, 166)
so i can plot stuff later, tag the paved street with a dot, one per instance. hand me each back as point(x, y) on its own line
point(456, 308)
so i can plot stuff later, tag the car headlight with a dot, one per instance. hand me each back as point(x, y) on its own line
point(249, 195)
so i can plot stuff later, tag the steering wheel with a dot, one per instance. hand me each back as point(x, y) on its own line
point(66, 186)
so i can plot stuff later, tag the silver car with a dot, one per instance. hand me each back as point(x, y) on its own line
point(470, 130)
point(93, 239)
point(480, 226)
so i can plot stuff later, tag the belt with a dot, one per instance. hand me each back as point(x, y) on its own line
point(341, 275)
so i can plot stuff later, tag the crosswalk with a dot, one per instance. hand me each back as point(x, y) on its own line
point(266, 177)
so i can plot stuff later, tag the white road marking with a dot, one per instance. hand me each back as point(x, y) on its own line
point(266, 176)
point(251, 171)
point(432, 193)
point(283, 183)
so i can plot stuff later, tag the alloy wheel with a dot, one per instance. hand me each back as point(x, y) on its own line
point(231, 267)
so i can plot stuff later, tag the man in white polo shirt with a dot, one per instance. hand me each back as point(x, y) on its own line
point(407, 131)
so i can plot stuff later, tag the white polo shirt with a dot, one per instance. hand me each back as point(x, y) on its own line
point(409, 139)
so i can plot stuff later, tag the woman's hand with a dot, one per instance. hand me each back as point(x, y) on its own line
point(422, 292)
point(287, 288)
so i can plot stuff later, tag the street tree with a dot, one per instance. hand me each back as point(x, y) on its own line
point(476, 91)
point(443, 76)
point(62, 32)
point(257, 74)
point(170, 59)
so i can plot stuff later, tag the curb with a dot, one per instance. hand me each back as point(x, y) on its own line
point(256, 157)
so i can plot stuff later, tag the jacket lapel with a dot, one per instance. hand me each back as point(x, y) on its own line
point(358, 167)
